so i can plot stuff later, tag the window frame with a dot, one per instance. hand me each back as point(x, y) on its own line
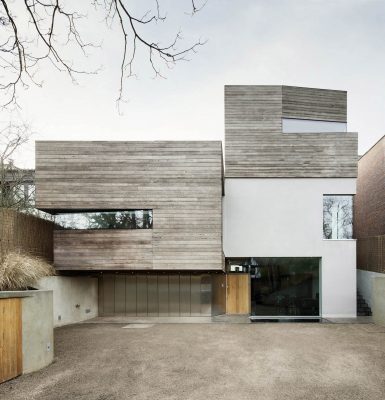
point(352, 214)
point(60, 227)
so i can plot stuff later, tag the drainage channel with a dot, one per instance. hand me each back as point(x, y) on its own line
point(313, 320)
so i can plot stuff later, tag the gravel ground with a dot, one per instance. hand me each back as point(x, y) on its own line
point(210, 361)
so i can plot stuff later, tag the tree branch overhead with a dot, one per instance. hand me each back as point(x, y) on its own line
point(38, 31)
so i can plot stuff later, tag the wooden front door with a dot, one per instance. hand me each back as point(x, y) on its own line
point(238, 294)
point(10, 339)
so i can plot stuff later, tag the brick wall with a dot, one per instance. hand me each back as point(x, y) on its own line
point(371, 254)
point(369, 209)
point(369, 205)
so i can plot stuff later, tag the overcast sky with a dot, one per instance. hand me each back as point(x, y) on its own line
point(317, 43)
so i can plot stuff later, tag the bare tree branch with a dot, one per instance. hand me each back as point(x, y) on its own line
point(14, 182)
point(53, 32)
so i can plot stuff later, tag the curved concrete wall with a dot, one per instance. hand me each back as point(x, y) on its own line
point(36, 326)
point(75, 298)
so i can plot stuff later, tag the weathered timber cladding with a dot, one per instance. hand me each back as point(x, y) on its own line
point(91, 248)
point(369, 202)
point(180, 181)
point(317, 104)
point(255, 146)
point(26, 234)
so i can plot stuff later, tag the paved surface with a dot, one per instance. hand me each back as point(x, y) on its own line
point(210, 361)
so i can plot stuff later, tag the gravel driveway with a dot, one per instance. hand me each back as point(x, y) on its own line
point(210, 361)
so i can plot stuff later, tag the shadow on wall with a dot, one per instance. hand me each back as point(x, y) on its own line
point(75, 299)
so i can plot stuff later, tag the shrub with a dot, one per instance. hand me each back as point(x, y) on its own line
point(20, 271)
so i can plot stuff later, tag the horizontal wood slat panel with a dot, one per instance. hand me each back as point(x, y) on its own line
point(255, 146)
point(180, 181)
point(103, 249)
point(317, 104)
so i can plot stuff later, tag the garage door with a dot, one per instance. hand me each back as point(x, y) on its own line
point(155, 295)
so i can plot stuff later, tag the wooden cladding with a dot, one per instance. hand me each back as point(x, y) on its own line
point(180, 181)
point(238, 294)
point(10, 339)
point(103, 249)
point(317, 104)
point(256, 147)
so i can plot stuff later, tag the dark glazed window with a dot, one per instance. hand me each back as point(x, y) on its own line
point(281, 286)
point(338, 217)
point(130, 219)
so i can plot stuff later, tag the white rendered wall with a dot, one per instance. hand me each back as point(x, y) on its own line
point(283, 218)
point(75, 298)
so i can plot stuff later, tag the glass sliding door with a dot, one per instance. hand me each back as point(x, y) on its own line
point(282, 286)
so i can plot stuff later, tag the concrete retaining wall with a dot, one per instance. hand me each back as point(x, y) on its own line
point(37, 330)
point(378, 298)
point(365, 284)
point(36, 327)
point(75, 298)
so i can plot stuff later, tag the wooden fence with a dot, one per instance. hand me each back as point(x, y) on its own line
point(25, 233)
point(10, 339)
point(371, 253)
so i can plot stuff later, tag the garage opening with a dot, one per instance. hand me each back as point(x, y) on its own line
point(155, 295)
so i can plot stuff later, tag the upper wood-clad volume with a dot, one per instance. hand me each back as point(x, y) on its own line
point(317, 104)
point(255, 146)
point(180, 181)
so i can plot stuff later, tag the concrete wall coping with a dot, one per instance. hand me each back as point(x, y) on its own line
point(8, 294)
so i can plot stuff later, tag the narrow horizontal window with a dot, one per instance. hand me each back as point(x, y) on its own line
point(337, 217)
point(129, 219)
point(292, 125)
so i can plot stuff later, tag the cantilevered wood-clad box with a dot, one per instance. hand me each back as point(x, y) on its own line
point(181, 182)
point(258, 147)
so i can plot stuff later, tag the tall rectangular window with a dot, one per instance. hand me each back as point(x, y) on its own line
point(337, 217)
point(127, 219)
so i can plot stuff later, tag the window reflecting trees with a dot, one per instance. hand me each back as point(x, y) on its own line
point(337, 217)
point(129, 219)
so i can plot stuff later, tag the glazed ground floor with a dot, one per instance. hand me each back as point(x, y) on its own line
point(260, 287)
point(263, 287)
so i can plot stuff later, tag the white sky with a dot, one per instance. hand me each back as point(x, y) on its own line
point(336, 44)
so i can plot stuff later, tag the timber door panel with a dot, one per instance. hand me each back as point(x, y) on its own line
point(238, 294)
point(10, 339)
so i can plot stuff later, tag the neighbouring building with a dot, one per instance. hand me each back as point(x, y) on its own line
point(170, 229)
point(369, 219)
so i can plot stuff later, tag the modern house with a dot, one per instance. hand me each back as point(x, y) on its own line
point(369, 219)
point(173, 228)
